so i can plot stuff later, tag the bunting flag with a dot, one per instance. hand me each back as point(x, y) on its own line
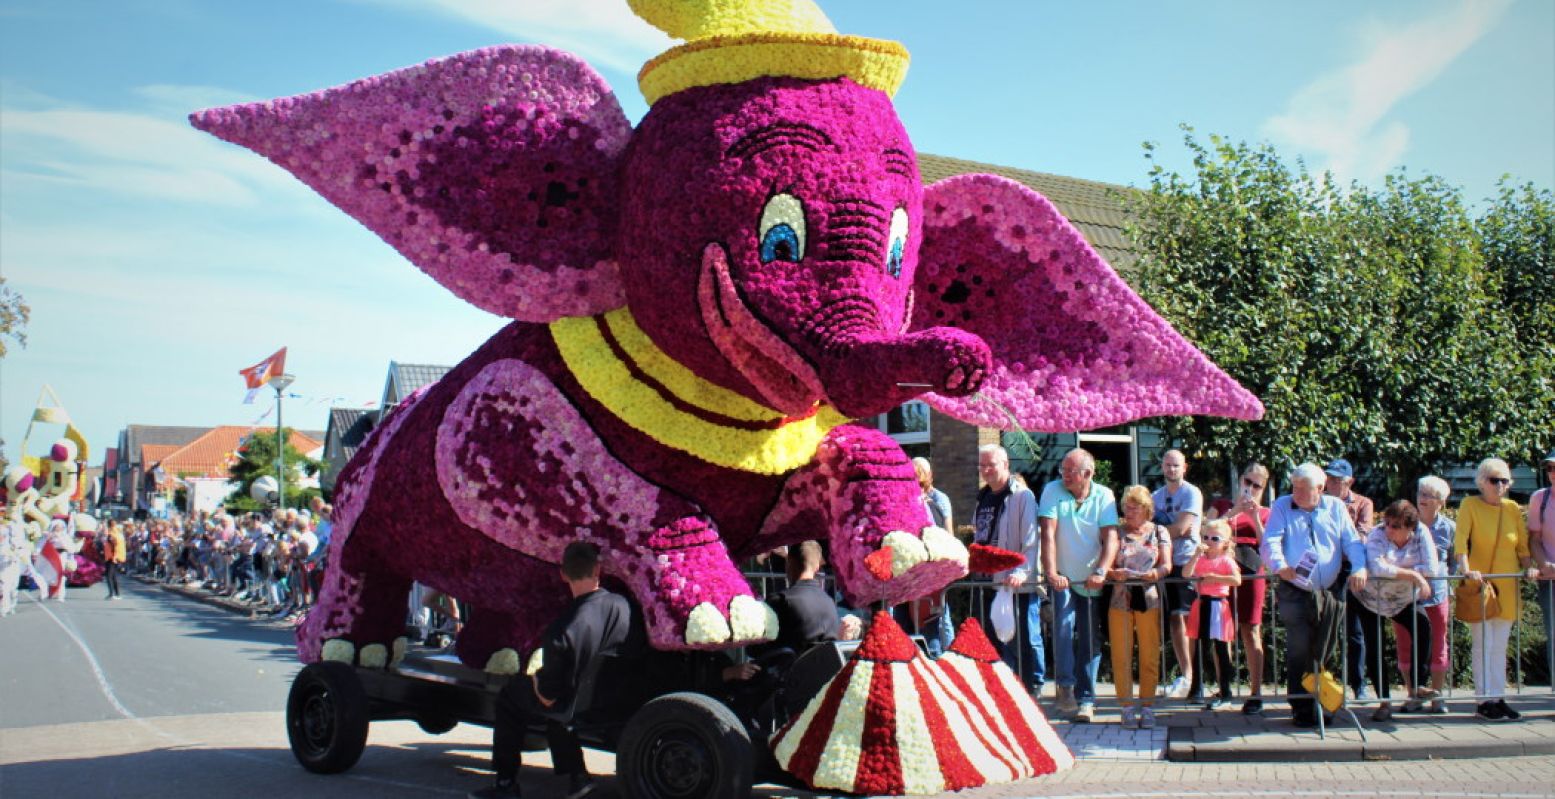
point(255, 377)
point(893, 722)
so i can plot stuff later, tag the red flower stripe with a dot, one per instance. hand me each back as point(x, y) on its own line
point(972, 642)
point(1008, 751)
point(954, 766)
point(880, 761)
point(808, 755)
point(979, 718)
point(1041, 761)
point(886, 642)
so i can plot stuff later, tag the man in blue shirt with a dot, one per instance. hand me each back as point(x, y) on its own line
point(1308, 537)
point(1079, 524)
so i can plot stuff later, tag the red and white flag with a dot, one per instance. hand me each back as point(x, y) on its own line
point(255, 377)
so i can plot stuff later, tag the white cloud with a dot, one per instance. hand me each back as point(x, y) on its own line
point(1339, 120)
point(604, 32)
point(131, 153)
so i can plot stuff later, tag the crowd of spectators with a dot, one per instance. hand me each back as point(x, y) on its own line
point(273, 561)
point(1168, 563)
point(1132, 573)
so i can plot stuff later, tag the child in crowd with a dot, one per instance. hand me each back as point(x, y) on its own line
point(1212, 621)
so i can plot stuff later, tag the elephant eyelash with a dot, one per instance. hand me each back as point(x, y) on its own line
point(898, 162)
point(778, 134)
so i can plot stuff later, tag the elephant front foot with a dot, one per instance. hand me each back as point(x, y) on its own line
point(903, 566)
point(692, 595)
point(369, 656)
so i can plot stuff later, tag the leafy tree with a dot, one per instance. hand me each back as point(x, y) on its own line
point(1517, 241)
point(1366, 320)
point(257, 458)
point(14, 314)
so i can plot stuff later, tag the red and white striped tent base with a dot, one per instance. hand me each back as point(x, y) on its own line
point(975, 668)
point(893, 722)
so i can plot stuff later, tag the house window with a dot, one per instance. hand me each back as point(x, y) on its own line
point(908, 425)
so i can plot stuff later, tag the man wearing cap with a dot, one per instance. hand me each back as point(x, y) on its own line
point(1340, 475)
point(1541, 543)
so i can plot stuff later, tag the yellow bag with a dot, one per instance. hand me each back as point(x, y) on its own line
point(1471, 607)
point(1330, 696)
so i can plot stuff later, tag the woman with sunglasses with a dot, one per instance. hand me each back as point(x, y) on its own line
point(1493, 539)
point(1247, 519)
point(1401, 556)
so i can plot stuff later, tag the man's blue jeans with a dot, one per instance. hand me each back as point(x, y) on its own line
point(1077, 640)
point(1024, 654)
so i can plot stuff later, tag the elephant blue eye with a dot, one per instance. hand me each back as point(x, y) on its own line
point(896, 250)
point(780, 244)
point(781, 234)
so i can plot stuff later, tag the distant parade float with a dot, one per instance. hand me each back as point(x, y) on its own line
point(46, 537)
point(702, 305)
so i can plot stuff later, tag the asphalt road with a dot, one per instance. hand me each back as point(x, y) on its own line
point(148, 655)
point(159, 696)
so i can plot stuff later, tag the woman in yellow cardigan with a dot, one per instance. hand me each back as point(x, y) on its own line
point(1493, 539)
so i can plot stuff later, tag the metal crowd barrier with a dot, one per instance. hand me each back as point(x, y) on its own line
point(969, 597)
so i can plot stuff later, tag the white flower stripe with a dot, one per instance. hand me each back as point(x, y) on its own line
point(914, 743)
point(993, 764)
point(982, 704)
point(838, 767)
point(788, 739)
point(1035, 718)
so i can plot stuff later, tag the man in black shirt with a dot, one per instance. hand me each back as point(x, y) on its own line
point(597, 623)
point(806, 613)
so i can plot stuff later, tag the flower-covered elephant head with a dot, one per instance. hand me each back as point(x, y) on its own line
point(765, 224)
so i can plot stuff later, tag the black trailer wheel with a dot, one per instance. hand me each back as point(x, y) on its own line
point(326, 717)
point(685, 746)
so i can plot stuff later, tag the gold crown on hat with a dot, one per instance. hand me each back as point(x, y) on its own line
point(733, 41)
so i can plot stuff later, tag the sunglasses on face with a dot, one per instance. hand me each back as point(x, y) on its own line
point(1213, 539)
point(1500, 481)
point(1250, 484)
point(1403, 527)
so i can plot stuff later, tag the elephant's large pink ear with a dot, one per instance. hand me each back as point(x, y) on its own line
point(1074, 347)
point(494, 171)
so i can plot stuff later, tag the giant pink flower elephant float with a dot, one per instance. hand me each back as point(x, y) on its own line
point(701, 306)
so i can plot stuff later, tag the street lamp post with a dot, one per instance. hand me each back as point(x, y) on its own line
point(280, 383)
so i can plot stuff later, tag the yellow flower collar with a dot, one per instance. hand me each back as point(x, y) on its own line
point(620, 367)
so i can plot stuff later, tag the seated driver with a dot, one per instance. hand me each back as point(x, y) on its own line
point(597, 623)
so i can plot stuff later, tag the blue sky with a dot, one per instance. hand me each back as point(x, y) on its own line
point(158, 261)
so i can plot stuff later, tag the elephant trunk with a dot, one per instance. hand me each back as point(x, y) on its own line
point(870, 373)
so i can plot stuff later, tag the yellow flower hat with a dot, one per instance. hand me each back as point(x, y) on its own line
point(732, 41)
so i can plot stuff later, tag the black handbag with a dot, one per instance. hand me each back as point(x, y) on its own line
point(1248, 557)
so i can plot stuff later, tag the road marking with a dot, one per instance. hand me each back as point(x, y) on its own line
point(108, 692)
point(91, 659)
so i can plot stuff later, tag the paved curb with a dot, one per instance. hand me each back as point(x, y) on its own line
point(204, 598)
point(1182, 746)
